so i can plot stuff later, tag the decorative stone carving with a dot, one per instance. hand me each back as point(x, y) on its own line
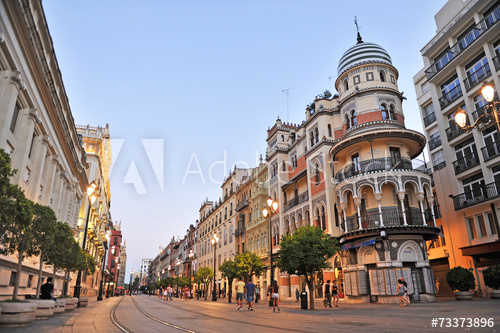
point(18, 80)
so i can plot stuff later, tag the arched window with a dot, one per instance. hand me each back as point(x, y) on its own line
point(383, 108)
point(348, 123)
point(323, 219)
point(391, 112)
point(319, 218)
point(316, 134)
point(284, 196)
point(382, 76)
point(312, 138)
point(282, 138)
point(284, 166)
point(115, 241)
point(346, 85)
point(329, 130)
point(317, 175)
point(354, 119)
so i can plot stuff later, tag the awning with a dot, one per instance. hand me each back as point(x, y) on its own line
point(481, 249)
point(358, 244)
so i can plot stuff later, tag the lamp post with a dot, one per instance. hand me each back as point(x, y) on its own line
point(270, 210)
point(115, 278)
point(491, 112)
point(103, 267)
point(130, 282)
point(90, 194)
point(215, 240)
point(111, 274)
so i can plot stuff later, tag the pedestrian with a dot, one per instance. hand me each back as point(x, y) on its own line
point(401, 293)
point(186, 293)
point(327, 296)
point(297, 295)
point(406, 290)
point(257, 294)
point(47, 289)
point(165, 294)
point(335, 294)
point(275, 295)
point(240, 288)
point(170, 291)
point(250, 291)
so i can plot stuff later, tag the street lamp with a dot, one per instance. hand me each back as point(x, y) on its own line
point(115, 278)
point(105, 243)
point(490, 112)
point(215, 240)
point(271, 209)
point(90, 194)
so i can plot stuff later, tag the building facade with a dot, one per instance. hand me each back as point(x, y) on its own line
point(37, 129)
point(462, 56)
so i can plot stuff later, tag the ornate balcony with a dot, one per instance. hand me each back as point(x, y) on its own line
point(454, 130)
point(490, 151)
point(450, 97)
point(302, 197)
point(434, 143)
point(477, 77)
point(477, 196)
point(465, 163)
point(483, 26)
point(379, 164)
point(242, 204)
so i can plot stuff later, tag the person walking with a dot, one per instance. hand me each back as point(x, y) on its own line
point(165, 294)
point(401, 293)
point(405, 289)
point(250, 292)
point(275, 295)
point(327, 296)
point(240, 288)
point(170, 291)
point(335, 294)
point(257, 294)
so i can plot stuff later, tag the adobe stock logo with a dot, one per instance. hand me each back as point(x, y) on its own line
point(155, 151)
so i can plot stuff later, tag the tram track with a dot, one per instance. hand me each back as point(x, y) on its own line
point(125, 329)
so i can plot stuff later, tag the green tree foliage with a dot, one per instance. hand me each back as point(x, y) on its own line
point(230, 271)
point(325, 94)
point(249, 264)
point(205, 275)
point(44, 227)
point(135, 284)
point(63, 240)
point(306, 253)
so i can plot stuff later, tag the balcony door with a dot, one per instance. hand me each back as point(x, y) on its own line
point(491, 142)
point(395, 156)
point(356, 164)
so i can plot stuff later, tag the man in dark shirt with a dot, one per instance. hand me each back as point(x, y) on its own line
point(47, 289)
point(250, 290)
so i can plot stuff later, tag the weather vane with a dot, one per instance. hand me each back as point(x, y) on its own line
point(360, 40)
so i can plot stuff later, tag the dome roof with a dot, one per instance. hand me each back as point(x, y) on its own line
point(362, 53)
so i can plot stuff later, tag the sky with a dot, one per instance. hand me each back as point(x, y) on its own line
point(190, 87)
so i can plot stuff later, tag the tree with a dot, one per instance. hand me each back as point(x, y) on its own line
point(63, 240)
point(135, 284)
point(325, 94)
point(44, 227)
point(306, 252)
point(249, 264)
point(230, 271)
point(205, 275)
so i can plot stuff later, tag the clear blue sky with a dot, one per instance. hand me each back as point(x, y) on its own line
point(201, 81)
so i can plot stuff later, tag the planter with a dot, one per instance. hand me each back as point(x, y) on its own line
point(60, 306)
point(70, 303)
point(45, 308)
point(463, 295)
point(16, 314)
point(495, 293)
point(84, 301)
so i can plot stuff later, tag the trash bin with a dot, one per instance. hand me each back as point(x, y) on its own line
point(303, 300)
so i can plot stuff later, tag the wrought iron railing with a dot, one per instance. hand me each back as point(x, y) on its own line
point(389, 217)
point(496, 61)
point(465, 163)
point(450, 97)
point(477, 77)
point(454, 130)
point(379, 164)
point(490, 151)
point(302, 197)
point(430, 118)
point(477, 195)
point(242, 204)
point(434, 143)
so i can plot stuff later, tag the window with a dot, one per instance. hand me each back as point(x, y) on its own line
point(15, 115)
point(472, 228)
point(451, 90)
point(30, 154)
point(346, 85)
point(316, 135)
point(466, 151)
point(474, 186)
point(282, 138)
point(395, 155)
point(329, 130)
point(393, 79)
point(482, 227)
point(312, 138)
point(429, 109)
point(391, 112)
point(383, 108)
point(356, 79)
point(115, 241)
point(468, 36)
point(348, 123)
point(443, 58)
point(424, 87)
point(230, 233)
point(284, 166)
point(369, 76)
point(112, 264)
point(477, 70)
point(30, 281)
point(354, 119)
point(13, 276)
point(356, 163)
point(382, 76)
point(491, 221)
point(317, 175)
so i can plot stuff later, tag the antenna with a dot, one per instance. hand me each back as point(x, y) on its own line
point(286, 91)
point(360, 40)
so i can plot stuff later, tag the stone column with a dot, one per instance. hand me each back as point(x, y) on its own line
point(344, 207)
point(357, 202)
point(11, 82)
point(420, 198)
point(430, 201)
point(26, 125)
point(401, 196)
point(39, 160)
point(51, 179)
point(378, 197)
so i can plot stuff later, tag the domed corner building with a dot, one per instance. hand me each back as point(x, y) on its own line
point(383, 195)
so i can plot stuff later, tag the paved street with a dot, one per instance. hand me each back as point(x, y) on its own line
point(151, 314)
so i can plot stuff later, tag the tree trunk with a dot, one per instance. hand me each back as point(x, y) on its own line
point(230, 291)
point(39, 284)
point(310, 284)
point(18, 274)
